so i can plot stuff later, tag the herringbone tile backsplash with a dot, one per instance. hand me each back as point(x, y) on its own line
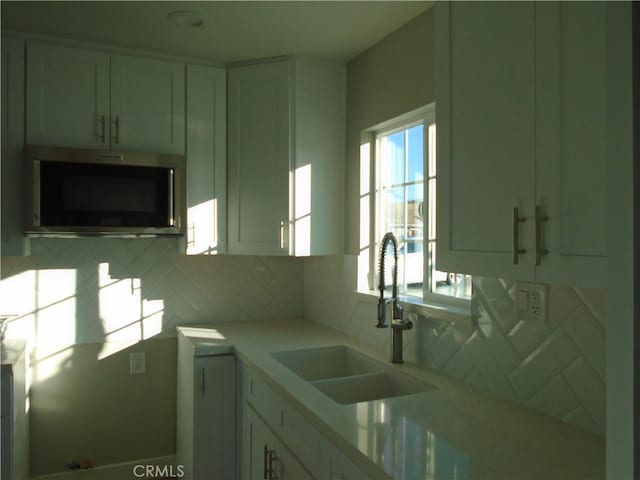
point(124, 290)
point(557, 367)
point(90, 290)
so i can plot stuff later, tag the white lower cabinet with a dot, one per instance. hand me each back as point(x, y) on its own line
point(206, 411)
point(269, 458)
point(14, 418)
point(340, 467)
point(280, 443)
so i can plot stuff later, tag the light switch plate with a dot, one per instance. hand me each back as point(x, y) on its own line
point(531, 301)
point(137, 363)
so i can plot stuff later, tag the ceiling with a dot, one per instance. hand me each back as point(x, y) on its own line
point(232, 30)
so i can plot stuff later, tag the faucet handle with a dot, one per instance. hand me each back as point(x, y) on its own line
point(382, 313)
point(398, 311)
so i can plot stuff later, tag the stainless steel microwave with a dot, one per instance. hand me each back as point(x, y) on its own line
point(93, 192)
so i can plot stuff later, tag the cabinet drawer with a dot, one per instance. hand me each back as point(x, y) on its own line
point(342, 468)
point(285, 421)
point(264, 400)
point(303, 439)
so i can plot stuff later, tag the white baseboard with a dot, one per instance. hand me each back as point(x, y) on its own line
point(117, 471)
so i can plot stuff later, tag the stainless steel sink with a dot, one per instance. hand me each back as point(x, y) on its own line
point(347, 376)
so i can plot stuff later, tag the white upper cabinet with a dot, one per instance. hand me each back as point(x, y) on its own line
point(206, 160)
point(258, 169)
point(286, 157)
point(90, 99)
point(67, 97)
point(571, 168)
point(147, 104)
point(521, 105)
point(12, 241)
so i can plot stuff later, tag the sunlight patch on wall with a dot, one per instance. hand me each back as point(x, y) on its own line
point(363, 281)
point(55, 311)
point(202, 228)
point(126, 316)
point(17, 297)
point(302, 213)
point(49, 360)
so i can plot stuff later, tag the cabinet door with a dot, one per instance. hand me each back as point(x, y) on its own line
point(258, 437)
point(485, 134)
point(215, 406)
point(269, 458)
point(147, 105)
point(571, 138)
point(342, 468)
point(206, 160)
point(67, 97)
point(12, 102)
point(259, 157)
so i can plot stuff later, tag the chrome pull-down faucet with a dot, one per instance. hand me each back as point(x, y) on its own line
point(398, 325)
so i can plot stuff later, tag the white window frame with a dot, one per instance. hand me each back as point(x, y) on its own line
point(424, 115)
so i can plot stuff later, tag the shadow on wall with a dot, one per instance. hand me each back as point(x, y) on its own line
point(85, 304)
point(555, 366)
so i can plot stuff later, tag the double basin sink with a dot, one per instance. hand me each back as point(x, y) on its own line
point(348, 376)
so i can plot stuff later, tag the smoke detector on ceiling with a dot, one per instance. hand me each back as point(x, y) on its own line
point(185, 18)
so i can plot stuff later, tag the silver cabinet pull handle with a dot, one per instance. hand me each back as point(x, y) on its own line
point(517, 219)
point(272, 458)
point(102, 129)
point(539, 219)
point(117, 125)
point(282, 234)
point(202, 381)
point(264, 462)
point(170, 184)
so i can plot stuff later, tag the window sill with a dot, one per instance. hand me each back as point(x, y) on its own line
point(460, 313)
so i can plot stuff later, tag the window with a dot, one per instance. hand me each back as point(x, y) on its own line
point(398, 194)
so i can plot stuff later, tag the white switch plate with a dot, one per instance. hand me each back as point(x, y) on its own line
point(137, 363)
point(531, 301)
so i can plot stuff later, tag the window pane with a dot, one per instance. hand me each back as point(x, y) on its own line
point(392, 159)
point(393, 218)
point(432, 150)
point(432, 209)
point(415, 154)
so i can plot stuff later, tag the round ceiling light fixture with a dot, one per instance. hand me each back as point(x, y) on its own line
point(186, 18)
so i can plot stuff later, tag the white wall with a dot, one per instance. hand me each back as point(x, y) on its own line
point(85, 304)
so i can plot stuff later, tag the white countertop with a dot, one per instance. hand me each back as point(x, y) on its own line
point(453, 431)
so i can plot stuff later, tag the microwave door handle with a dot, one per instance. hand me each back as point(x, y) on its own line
point(171, 186)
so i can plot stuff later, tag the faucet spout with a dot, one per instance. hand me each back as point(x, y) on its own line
point(389, 238)
point(398, 325)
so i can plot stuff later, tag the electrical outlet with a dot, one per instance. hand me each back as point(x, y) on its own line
point(531, 301)
point(137, 363)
